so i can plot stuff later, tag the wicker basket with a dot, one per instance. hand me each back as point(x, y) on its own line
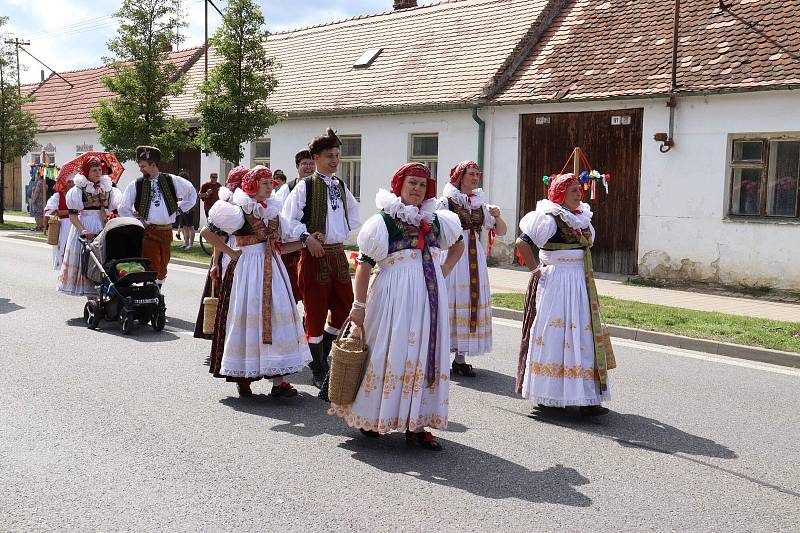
point(53, 230)
point(209, 314)
point(348, 355)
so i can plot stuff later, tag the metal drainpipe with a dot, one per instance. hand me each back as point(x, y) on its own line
point(481, 135)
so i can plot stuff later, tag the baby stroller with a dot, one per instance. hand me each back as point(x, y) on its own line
point(126, 290)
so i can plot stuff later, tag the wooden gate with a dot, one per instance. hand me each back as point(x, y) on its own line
point(613, 142)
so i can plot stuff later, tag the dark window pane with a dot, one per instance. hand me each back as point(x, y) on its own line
point(784, 170)
point(747, 150)
point(746, 191)
point(425, 146)
point(262, 149)
point(351, 146)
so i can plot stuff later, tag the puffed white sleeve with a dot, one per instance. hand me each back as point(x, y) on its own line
point(225, 218)
point(353, 214)
point(114, 199)
point(126, 203)
point(52, 204)
point(75, 199)
point(449, 228)
point(538, 227)
point(488, 220)
point(373, 240)
point(186, 192)
point(293, 211)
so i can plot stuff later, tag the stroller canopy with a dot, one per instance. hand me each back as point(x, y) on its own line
point(121, 238)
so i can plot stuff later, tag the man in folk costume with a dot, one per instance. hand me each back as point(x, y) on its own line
point(322, 212)
point(155, 198)
point(305, 167)
point(468, 284)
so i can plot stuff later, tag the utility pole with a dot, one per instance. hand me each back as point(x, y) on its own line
point(17, 42)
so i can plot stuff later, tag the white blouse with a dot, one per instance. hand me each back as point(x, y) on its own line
point(229, 216)
point(540, 226)
point(336, 226)
point(75, 194)
point(373, 239)
point(474, 201)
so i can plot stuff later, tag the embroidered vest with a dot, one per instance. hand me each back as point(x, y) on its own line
point(470, 218)
point(94, 199)
point(406, 236)
point(144, 195)
point(566, 235)
point(63, 210)
point(315, 212)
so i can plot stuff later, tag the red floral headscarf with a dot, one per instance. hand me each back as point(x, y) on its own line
point(458, 171)
point(558, 188)
point(413, 169)
point(90, 163)
point(235, 177)
point(253, 178)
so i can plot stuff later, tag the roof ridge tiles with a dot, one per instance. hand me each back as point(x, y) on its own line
point(411, 11)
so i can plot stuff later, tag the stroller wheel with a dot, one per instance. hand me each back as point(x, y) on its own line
point(91, 314)
point(159, 319)
point(126, 318)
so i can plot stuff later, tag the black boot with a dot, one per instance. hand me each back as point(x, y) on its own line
point(318, 364)
point(327, 344)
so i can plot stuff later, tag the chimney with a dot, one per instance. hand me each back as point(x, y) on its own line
point(404, 4)
point(42, 73)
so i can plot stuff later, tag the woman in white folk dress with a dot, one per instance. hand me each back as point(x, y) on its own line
point(565, 364)
point(468, 284)
point(258, 333)
point(90, 202)
point(57, 205)
point(406, 383)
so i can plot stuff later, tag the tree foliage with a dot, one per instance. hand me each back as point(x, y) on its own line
point(17, 126)
point(143, 81)
point(233, 109)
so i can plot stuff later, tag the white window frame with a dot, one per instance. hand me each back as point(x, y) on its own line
point(261, 160)
point(351, 163)
point(431, 161)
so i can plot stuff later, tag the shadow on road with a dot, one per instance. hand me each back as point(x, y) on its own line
point(458, 466)
point(7, 306)
point(488, 381)
point(140, 333)
point(636, 431)
point(472, 470)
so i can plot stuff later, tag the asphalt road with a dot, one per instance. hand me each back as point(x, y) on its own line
point(99, 431)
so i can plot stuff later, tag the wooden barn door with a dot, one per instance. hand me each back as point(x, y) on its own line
point(613, 142)
point(188, 160)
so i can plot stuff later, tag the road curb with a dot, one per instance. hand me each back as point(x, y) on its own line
point(737, 351)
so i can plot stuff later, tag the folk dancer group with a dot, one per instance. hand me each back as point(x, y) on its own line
point(430, 297)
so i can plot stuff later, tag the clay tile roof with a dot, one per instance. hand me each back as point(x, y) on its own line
point(59, 107)
point(439, 54)
point(618, 48)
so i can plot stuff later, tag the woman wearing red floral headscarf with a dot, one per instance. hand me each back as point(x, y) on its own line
point(468, 284)
point(404, 316)
point(89, 203)
point(563, 367)
point(257, 333)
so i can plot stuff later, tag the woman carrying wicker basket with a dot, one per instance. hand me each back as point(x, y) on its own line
point(257, 333)
point(406, 382)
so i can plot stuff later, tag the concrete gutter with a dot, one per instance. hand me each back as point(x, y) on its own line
point(737, 351)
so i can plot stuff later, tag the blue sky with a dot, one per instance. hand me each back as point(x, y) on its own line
point(72, 34)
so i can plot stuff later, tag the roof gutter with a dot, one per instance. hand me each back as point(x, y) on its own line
point(481, 134)
point(384, 110)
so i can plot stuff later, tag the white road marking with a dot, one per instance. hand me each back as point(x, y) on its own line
point(754, 365)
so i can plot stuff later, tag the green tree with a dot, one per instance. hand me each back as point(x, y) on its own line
point(143, 81)
point(234, 107)
point(17, 126)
